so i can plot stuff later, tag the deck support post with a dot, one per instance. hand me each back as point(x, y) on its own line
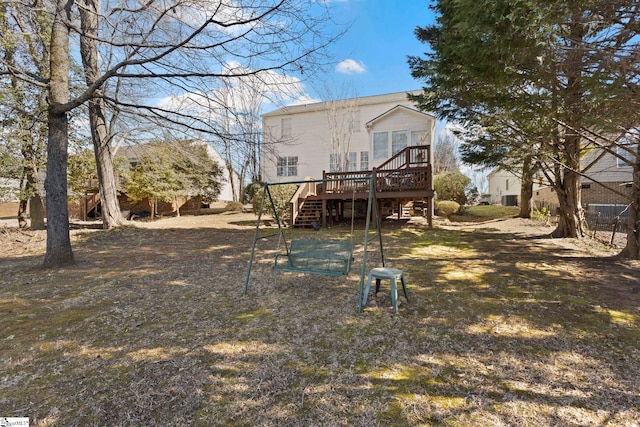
point(324, 213)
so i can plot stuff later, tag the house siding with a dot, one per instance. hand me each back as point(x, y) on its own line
point(504, 185)
point(609, 184)
point(606, 168)
point(311, 133)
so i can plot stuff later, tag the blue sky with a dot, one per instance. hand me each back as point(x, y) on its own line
point(375, 49)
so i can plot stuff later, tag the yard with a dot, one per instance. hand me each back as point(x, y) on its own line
point(503, 327)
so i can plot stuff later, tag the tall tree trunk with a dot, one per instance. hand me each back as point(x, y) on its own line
point(526, 189)
point(58, 252)
point(111, 214)
point(632, 250)
point(36, 212)
point(571, 220)
point(29, 192)
point(232, 182)
point(24, 201)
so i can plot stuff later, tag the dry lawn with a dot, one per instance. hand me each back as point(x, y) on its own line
point(504, 327)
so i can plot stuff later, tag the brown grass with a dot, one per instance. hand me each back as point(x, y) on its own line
point(503, 327)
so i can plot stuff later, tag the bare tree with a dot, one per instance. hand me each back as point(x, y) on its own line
point(343, 119)
point(167, 49)
point(445, 153)
point(239, 102)
point(89, 23)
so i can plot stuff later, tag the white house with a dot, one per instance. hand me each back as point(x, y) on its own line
point(504, 187)
point(354, 134)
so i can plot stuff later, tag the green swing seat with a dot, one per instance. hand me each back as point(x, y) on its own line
point(330, 258)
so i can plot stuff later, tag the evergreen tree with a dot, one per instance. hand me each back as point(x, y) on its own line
point(530, 75)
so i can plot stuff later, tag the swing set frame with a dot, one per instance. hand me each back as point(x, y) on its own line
point(329, 258)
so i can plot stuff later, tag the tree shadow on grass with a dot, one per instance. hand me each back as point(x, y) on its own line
point(150, 327)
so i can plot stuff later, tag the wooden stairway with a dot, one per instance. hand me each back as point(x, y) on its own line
point(310, 212)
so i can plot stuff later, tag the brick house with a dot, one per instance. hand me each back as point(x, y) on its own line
point(605, 189)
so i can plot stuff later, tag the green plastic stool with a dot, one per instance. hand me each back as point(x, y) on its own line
point(385, 273)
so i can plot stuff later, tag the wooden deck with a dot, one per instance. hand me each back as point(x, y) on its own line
point(405, 177)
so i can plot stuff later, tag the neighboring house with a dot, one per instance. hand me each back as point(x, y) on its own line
point(89, 205)
point(134, 154)
point(504, 187)
point(9, 190)
point(355, 134)
point(226, 192)
point(606, 189)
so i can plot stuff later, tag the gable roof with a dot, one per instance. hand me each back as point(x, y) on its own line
point(394, 110)
point(359, 101)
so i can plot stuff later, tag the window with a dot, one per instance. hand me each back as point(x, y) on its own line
point(506, 184)
point(627, 154)
point(585, 186)
point(285, 129)
point(398, 141)
point(355, 121)
point(353, 161)
point(334, 162)
point(380, 145)
point(287, 166)
point(364, 160)
point(419, 138)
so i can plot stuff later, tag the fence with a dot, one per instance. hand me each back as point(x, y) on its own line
point(599, 223)
point(603, 225)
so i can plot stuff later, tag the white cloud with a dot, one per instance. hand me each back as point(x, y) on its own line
point(350, 66)
point(265, 90)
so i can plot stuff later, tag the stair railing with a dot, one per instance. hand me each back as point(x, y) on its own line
point(90, 203)
point(415, 156)
point(303, 191)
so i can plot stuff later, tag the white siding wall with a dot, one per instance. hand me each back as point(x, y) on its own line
point(226, 190)
point(311, 134)
point(399, 120)
point(498, 185)
point(503, 183)
point(606, 169)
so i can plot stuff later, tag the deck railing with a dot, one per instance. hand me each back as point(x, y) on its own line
point(408, 170)
point(346, 182)
point(417, 156)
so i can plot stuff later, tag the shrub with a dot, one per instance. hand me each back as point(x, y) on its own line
point(233, 207)
point(251, 190)
point(447, 208)
point(542, 215)
point(281, 195)
point(451, 186)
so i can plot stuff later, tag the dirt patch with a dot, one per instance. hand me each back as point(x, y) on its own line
point(504, 326)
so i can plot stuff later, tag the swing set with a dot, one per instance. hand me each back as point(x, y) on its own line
point(323, 257)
